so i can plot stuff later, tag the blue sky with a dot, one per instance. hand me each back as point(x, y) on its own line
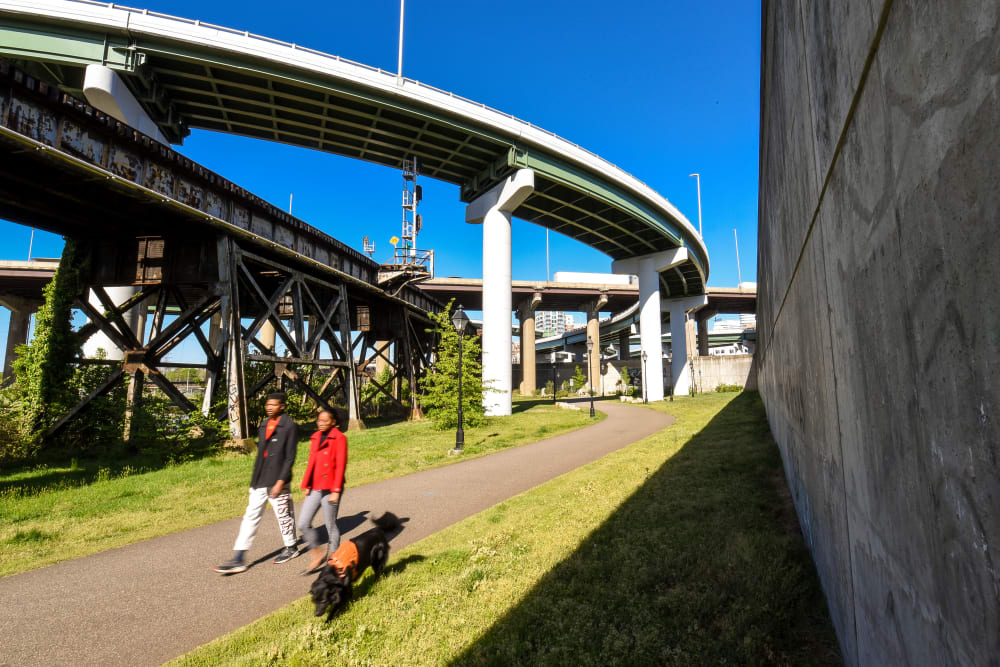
point(661, 89)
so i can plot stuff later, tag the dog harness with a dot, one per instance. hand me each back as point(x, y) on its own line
point(345, 559)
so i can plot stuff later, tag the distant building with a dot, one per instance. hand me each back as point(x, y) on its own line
point(553, 323)
point(592, 278)
point(726, 326)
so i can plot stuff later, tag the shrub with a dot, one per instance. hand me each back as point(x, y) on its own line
point(440, 385)
point(729, 387)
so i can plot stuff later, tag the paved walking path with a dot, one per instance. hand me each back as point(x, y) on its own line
point(146, 603)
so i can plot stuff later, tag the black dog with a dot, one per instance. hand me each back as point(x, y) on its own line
point(333, 587)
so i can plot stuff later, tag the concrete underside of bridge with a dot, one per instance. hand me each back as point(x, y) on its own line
point(878, 352)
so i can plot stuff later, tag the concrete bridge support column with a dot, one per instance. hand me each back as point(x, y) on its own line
point(267, 335)
point(381, 357)
point(650, 332)
point(680, 368)
point(703, 334)
point(17, 331)
point(593, 310)
point(493, 209)
point(526, 318)
point(648, 268)
point(105, 90)
point(623, 344)
point(118, 295)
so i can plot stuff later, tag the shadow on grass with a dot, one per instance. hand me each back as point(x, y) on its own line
point(524, 404)
point(56, 470)
point(703, 564)
point(60, 471)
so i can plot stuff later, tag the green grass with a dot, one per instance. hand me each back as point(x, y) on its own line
point(680, 549)
point(53, 513)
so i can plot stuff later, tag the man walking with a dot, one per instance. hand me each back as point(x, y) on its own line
point(270, 482)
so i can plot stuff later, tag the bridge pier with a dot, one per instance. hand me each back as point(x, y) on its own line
point(526, 318)
point(648, 268)
point(680, 368)
point(493, 210)
point(21, 311)
point(624, 353)
point(593, 310)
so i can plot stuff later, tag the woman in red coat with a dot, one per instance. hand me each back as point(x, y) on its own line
point(324, 483)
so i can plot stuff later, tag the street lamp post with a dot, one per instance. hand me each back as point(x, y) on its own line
point(644, 357)
point(461, 321)
point(697, 177)
point(590, 382)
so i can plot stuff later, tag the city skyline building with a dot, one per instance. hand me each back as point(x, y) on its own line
point(554, 322)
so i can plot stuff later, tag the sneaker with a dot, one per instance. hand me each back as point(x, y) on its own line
point(287, 554)
point(231, 567)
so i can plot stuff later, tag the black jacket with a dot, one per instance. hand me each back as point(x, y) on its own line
point(281, 450)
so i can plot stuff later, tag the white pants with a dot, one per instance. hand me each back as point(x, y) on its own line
point(283, 510)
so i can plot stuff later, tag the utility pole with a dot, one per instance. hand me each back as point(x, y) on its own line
point(697, 177)
point(739, 277)
point(399, 66)
point(547, 274)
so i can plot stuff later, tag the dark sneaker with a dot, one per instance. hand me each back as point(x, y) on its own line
point(231, 567)
point(287, 554)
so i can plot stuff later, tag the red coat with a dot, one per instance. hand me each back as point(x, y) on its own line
point(327, 459)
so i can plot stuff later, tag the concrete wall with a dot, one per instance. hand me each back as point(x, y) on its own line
point(879, 316)
point(709, 372)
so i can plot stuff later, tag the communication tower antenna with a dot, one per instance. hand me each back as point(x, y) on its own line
point(369, 247)
point(412, 194)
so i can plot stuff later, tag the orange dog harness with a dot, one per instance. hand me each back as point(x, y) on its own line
point(345, 559)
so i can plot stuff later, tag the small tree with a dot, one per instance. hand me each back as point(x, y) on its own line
point(440, 385)
point(579, 378)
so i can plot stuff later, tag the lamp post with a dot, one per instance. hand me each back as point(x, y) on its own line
point(644, 357)
point(590, 382)
point(461, 321)
point(697, 177)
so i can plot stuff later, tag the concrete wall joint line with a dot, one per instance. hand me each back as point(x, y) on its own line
point(843, 469)
point(848, 121)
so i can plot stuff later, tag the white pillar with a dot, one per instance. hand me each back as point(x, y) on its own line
point(105, 90)
point(17, 332)
point(493, 209)
point(650, 331)
point(648, 268)
point(118, 296)
point(680, 368)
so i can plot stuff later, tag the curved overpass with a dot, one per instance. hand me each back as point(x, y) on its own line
point(188, 74)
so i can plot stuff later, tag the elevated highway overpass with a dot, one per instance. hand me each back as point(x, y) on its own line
point(186, 74)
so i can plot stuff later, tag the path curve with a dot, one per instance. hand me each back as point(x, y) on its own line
point(146, 603)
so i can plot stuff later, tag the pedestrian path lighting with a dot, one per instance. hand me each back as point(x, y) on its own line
point(644, 357)
point(461, 322)
point(590, 383)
